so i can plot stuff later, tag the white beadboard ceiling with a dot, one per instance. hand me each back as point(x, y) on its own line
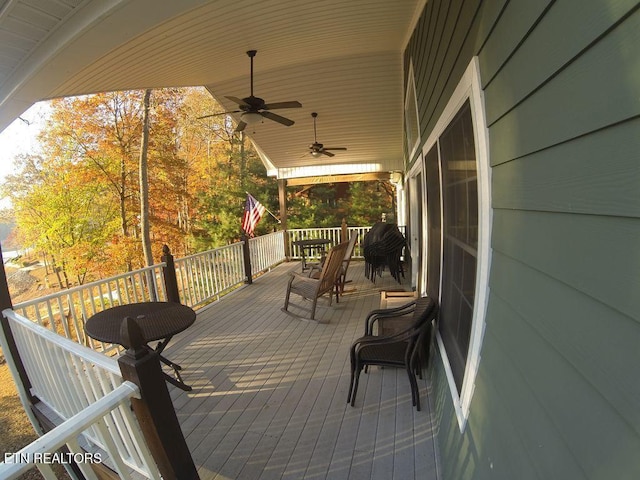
point(339, 58)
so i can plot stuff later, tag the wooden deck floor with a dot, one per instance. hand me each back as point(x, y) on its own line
point(269, 392)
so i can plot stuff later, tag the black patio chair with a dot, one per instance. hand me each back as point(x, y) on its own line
point(400, 350)
point(382, 313)
point(382, 247)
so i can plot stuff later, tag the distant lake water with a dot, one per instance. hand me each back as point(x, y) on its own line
point(10, 254)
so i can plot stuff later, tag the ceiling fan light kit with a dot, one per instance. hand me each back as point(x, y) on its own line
point(251, 118)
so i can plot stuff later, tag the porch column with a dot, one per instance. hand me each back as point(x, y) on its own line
point(282, 196)
point(5, 302)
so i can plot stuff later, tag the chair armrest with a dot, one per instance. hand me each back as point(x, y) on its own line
point(382, 339)
point(301, 277)
point(368, 340)
point(315, 269)
point(374, 315)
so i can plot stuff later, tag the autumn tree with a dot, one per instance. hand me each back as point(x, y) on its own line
point(83, 198)
point(61, 211)
point(144, 182)
point(103, 132)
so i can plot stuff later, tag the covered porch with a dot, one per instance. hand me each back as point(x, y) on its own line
point(269, 391)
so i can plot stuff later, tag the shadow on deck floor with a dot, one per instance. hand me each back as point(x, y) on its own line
point(269, 391)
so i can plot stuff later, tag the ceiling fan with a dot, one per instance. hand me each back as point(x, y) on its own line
point(253, 109)
point(318, 149)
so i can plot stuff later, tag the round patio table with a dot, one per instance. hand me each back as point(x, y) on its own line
point(157, 321)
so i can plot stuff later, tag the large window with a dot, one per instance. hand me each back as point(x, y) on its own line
point(460, 239)
point(457, 227)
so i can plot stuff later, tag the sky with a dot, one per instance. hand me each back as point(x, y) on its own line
point(20, 137)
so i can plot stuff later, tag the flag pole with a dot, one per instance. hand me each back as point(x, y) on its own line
point(266, 209)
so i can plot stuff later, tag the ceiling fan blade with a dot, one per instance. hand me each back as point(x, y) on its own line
point(328, 154)
point(336, 148)
point(241, 126)
point(277, 118)
point(273, 106)
point(237, 100)
point(217, 114)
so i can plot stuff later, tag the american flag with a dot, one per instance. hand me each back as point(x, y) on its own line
point(253, 211)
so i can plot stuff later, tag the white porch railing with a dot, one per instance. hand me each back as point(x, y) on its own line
point(68, 378)
point(266, 251)
point(65, 312)
point(201, 278)
point(40, 453)
point(208, 275)
point(331, 233)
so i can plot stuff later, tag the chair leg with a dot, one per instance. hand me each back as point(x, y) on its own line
point(353, 376)
point(313, 308)
point(286, 298)
point(353, 369)
point(415, 393)
point(355, 384)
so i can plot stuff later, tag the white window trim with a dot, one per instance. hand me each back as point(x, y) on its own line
point(417, 169)
point(469, 87)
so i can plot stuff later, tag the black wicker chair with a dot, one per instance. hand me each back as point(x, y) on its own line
point(382, 247)
point(401, 350)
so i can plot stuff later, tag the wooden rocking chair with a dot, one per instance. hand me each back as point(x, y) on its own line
point(341, 279)
point(314, 288)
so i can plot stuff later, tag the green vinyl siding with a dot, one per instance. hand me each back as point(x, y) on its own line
point(588, 253)
point(569, 375)
point(583, 181)
point(598, 89)
point(460, 49)
point(437, 72)
point(542, 54)
point(515, 24)
point(556, 396)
